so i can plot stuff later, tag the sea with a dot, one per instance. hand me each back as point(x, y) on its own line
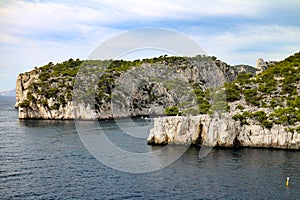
point(46, 159)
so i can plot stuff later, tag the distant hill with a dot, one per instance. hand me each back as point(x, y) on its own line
point(8, 93)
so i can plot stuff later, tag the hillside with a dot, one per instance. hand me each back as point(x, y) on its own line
point(262, 98)
point(117, 88)
point(256, 110)
point(271, 97)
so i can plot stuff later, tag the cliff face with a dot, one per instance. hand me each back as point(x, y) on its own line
point(261, 111)
point(42, 96)
point(219, 132)
point(122, 89)
point(37, 105)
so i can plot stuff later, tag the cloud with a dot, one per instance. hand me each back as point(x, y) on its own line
point(34, 33)
point(37, 19)
point(57, 21)
point(246, 43)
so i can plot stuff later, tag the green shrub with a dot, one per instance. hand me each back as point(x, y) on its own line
point(62, 100)
point(250, 96)
point(260, 116)
point(232, 92)
point(298, 129)
point(51, 92)
point(171, 111)
point(294, 102)
point(30, 97)
point(237, 117)
point(240, 107)
point(268, 124)
point(69, 96)
point(250, 93)
point(286, 116)
point(244, 78)
point(204, 107)
point(242, 118)
point(55, 106)
point(267, 87)
point(44, 76)
point(24, 104)
point(288, 88)
point(43, 102)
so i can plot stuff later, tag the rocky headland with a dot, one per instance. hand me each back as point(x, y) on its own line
point(262, 110)
point(111, 89)
point(210, 102)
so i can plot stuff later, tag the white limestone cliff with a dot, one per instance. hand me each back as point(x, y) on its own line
point(219, 132)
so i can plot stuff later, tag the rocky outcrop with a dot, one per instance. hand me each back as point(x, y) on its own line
point(219, 132)
point(262, 65)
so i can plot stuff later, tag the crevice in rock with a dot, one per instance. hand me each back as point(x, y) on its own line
point(199, 139)
point(236, 142)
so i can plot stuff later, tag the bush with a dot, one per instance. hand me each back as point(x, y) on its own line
point(62, 100)
point(69, 96)
point(55, 106)
point(244, 78)
point(30, 97)
point(268, 124)
point(294, 102)
point(172, 111)
point(232, 92)
point(204, 107)
point(237, 117)
point(288, 88)
point(260, 116)
point(24, 104)
point(250, 96)
point(242, 118)
point(240, 107)
point(286, 116)
point(43, 102)
point(51, 92)
point(250, 93)
point(298, 129)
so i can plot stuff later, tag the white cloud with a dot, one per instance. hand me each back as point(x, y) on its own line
point(37, 32)
point(21, 17)
point(246, 43)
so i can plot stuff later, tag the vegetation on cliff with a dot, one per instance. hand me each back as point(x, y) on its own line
point(271, 97)
point(53, 81)
point(268, 98)
point(52, 86)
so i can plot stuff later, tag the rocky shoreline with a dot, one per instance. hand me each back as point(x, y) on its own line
point(219, 132)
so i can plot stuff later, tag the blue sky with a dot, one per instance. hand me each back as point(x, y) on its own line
point(33, 33)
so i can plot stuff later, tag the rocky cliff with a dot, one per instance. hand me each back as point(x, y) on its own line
point(219, 132)
point(111, 89)
point(261, 111)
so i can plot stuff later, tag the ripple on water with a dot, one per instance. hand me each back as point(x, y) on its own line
point(46, 160)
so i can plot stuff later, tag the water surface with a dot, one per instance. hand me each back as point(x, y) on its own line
point(42, 159)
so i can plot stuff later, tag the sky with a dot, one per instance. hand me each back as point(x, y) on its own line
point(34, 33)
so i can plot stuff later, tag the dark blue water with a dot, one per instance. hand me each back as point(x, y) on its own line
point(43, 159)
